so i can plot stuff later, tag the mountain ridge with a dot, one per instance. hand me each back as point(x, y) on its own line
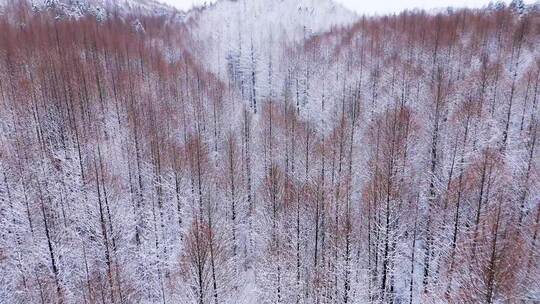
point(100, 9)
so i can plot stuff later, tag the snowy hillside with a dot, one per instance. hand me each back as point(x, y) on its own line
point(101, 8)
point(262, 18)
point(252, 32)
point(268, 152)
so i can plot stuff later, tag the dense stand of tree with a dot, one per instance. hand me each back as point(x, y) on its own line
point(392, 161)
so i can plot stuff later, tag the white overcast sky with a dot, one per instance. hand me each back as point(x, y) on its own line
point(371, 6)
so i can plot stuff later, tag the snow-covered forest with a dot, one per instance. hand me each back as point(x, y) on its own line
point(259, 151)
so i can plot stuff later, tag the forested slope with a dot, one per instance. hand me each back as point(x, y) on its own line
point(393, 159)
